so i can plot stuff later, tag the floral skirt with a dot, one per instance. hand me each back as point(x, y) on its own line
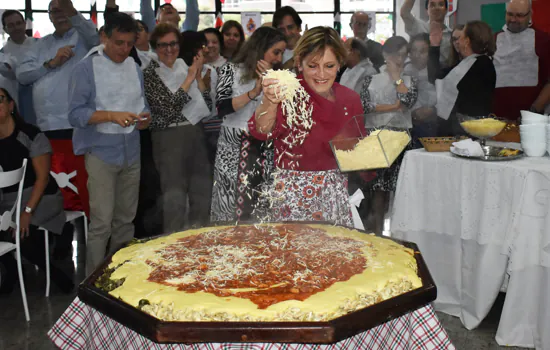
point(306, 196)
point(242, 165)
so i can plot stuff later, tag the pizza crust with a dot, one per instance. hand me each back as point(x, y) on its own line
point(391, 271)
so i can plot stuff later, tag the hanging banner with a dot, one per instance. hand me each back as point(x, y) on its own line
point(1, 27)
point(372, 22)
point(453, 5)
point(250, 22)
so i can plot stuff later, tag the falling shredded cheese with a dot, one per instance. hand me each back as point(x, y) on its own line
point(296, 107)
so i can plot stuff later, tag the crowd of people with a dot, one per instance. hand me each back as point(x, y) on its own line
point(167, 128)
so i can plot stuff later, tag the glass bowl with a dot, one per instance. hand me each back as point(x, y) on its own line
point(482, 127)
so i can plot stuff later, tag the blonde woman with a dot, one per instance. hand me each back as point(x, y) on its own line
point(312, 188)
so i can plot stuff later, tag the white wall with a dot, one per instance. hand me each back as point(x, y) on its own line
point(470, 10)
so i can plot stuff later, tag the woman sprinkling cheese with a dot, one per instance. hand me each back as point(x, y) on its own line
point(242, 162)
point(307, 185)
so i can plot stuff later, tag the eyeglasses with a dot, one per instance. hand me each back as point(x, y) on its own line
point(360, 24)
point(55, 11)
point(164, 46)
point(517, 15)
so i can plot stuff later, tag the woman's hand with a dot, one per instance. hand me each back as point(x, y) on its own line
point(200, 63)
point(196, 67)
point(436, 34)
point(394, 70)
point(24, 223)
point(272, 92)
point(397, 105)
point(261, 68)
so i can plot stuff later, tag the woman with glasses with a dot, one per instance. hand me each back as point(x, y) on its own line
point(389, 96)
point(178, 99)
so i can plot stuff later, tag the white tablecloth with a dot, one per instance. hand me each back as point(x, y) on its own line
point(472, 221)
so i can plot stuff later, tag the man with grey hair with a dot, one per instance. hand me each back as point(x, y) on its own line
point(360, 24)
point(358, 65)
point(522, 63)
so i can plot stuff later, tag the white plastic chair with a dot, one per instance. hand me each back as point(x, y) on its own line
point(7, 179)
point(63, 181)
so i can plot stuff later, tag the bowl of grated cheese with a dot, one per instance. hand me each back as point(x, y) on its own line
point(376, 146)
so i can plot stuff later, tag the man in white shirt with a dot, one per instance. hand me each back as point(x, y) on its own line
point(49, 64)
point(15, 48)
point(437, 10)
point(522, 64)
point(287, 20)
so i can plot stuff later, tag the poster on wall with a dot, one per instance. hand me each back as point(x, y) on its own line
point(250, 22)
point(1, 27)
point(453, 5)
point(372, 22)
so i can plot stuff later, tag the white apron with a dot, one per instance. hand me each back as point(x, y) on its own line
point(353, 77)
point(427, 96)
point(287, 55)
point(447, 91)
point(516, 62)
point(383, 91)
point(196, 109)
point(118, 88)
point(145, 57)
point(239, 119)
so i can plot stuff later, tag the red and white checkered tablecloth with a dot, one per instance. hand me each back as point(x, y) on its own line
point(83, 327)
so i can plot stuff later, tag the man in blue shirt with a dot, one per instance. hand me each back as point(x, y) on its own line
point(16, 48)
point(48, 65)
point(107, 107)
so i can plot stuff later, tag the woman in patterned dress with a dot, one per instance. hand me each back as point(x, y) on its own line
point(388, 96)
point(307, 185)
point(238, 167)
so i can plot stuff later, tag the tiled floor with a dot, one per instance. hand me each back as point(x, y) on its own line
point(16, 334)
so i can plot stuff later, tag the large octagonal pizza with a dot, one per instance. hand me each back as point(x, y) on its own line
point(283, 272)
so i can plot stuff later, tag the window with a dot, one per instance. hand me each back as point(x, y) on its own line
point(248, 6)
point(42, 26)
point(237, 17)
point(101, 19)
point(384, 27)
point(317, 19)
point(310, 5)
point(80, 5)
point(206, 21)
point(123, 5)
point(366, 5)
